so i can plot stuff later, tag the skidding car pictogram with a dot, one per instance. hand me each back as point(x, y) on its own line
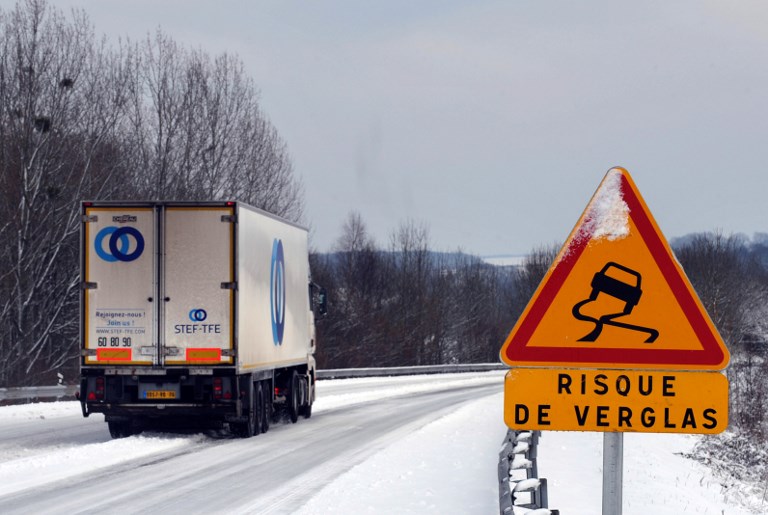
point(605, 281)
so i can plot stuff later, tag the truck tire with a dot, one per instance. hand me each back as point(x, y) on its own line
point(306, 410)
point(248, 428)
point(294, 401)
point(266, 416)
point(119, 429)
point(258, 408)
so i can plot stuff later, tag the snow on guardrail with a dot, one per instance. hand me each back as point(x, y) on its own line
point(346, 373)
point(521, 490)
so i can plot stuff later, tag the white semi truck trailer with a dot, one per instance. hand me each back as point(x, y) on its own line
point(195, 315)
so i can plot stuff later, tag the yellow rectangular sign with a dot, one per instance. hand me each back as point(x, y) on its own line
point(616, 400)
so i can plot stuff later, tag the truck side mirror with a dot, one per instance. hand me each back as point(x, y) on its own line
point(322, 302)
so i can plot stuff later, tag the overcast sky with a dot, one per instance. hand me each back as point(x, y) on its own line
point(494, 122)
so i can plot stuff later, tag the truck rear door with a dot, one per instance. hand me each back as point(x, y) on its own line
point(119, 280)
point(198, 281)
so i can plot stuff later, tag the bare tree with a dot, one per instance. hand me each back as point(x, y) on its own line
point(198, 132)
point(481, 316)
point(409, 305)
point(62, 100)
point(82, 119)
point(354, 235)
point(410, 271)
point(733, 286)
point(354, 277)
point(725, 278)
point(531, 273)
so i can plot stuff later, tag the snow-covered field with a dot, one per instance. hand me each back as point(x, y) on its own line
point(447, 466)
point(442, 460)
point(658, 480)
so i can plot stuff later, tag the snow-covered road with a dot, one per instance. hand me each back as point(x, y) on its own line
point(398, 445)
point(53, 460)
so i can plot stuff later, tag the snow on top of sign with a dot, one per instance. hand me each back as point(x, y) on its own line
point(608, 213)
point(606, 216)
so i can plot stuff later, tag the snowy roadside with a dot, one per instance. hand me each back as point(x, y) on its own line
point(446, 467)
point(658, 479)
point(380, 388)
point(43, 443)
point(61, 462)
point(20, 413)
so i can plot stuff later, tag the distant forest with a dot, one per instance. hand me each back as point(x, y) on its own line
point(405, 304)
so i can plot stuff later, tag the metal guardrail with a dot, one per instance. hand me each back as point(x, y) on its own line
point(519, 483)
point(345, 373)
point(58, 392)
point(32, 393)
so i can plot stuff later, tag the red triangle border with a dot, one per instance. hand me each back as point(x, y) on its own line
point(710, 355)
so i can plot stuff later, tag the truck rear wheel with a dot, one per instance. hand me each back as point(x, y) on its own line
point(306, 410)
point(250, 427)
point(267, 414)
point(119, 429)
point(295, 400)
point(258, 408)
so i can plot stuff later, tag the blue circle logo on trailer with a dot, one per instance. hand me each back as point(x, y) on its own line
point(277, 292)
point(198, 315)
point(119, 244)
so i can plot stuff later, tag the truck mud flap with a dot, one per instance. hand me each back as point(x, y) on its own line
point(83, 395)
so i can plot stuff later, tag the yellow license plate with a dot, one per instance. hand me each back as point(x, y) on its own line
point(159, 394)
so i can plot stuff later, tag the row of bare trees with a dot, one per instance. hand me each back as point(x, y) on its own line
point(83, 118)
point(408, 305)
point(730, 274)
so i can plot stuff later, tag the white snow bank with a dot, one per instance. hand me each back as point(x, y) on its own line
point(447, 467)
point(657, 478)
point(41, 410)
point(26, 472)
point(395, 386)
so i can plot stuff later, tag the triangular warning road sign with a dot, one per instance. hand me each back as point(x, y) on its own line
point(616, 297)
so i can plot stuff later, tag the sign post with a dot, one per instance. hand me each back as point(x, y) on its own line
point(613, 472)
point(615, 338)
